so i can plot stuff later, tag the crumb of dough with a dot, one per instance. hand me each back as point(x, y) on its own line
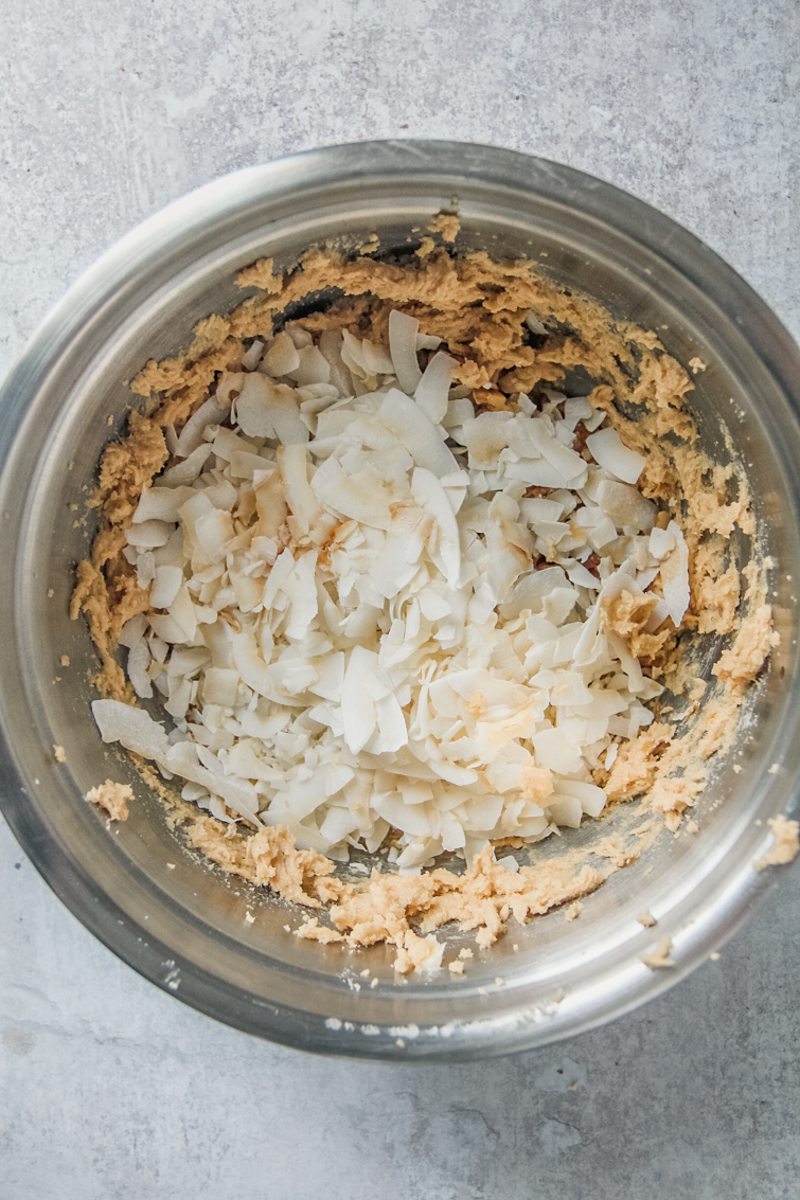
point(636, 764)
point(478, 306)
point(313, 931)
point(573, 911)
point(456, 967)
point(785, 845)
point(249, 918)
point(660, 957)
point(692, 826)
point(417, 953)
point(113, 798)
point(64, 660)
point(447, 225)
point(741, 663)
point(492, 399)
point(647, 919)
point(716, 721)
point(717, 592)
point(50, 593)
point(623, 852)
point(269, 857)
point(559, 996)
point(427, 246)
point(59, 754)
point(696, 365)
point(466, 952)
point(715, 956)
point(370, 244)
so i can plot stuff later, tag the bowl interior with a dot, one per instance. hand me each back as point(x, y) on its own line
point(167, 913)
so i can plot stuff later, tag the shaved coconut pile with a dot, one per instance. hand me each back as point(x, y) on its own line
point(378, 615)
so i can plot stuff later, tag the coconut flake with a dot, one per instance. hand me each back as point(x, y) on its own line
point(149, 534)
point(282, 357)
point(185, 473)
point(433, 388)
point(211, 412)
point(132, 727)
point(312, 367)
point(137, 668)
point(607, 449)
point(358, 708)
point(166, 585)
point(430, 495)
point(293, 467)
point(269, 410)
point(674, 573)
point(414, 430)
point(403, 349)
point(627, 508)
point(252, 355)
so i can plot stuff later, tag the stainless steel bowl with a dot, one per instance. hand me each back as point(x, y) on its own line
point(184, 927)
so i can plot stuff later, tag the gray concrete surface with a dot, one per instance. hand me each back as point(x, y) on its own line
point(110, 1089)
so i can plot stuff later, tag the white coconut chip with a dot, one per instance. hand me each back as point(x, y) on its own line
point(132, 727)
point(149, 534)
point(185, 472)
point(433, 388)
point(534, 324)
point(312, 369)
point(210, 412)
point(137, 665)
point(269, 410)
point(403, 349)
point(281, 357)
point(607, 449)
point(674, 572)
point(414, 430)
point(301, 501)
point(252, 355)
point(628, 509)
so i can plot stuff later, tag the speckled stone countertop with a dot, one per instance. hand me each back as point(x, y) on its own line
point(109, 1088)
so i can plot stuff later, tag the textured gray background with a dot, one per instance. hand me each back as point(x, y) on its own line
point(110, 1089)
